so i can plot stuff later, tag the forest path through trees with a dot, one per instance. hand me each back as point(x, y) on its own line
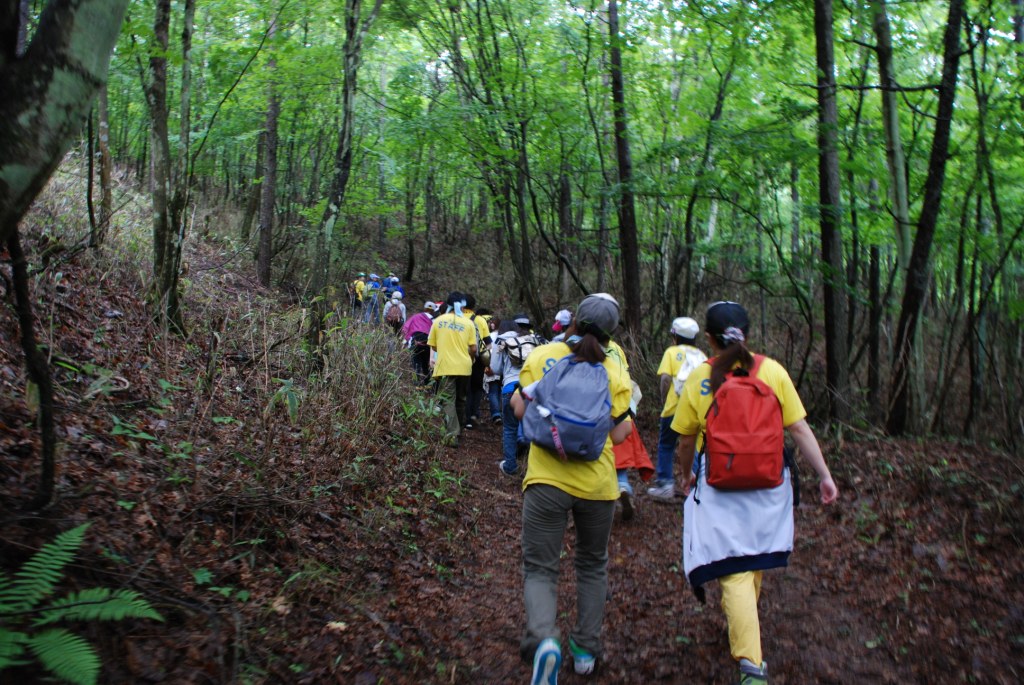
point(655, 629)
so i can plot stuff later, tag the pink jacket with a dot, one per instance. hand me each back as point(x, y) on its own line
point(417, 323)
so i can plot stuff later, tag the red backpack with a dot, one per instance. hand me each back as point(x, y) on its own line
point(743, 437)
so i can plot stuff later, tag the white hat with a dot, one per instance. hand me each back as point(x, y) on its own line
point(396, 295)
point(685, 327)
point(432, 306)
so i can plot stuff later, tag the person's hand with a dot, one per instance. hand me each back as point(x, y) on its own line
point(829, 491)
point(688, 485)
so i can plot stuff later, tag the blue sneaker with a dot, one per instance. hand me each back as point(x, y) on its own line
point(583, 662)
point(546, 662)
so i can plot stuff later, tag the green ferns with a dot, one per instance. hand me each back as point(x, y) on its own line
point(23, 619)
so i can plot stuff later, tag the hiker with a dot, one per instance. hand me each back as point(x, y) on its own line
point(355, 292)
point(631, 454)
point(396, 286)
point(562, 319)
point(553, 487)
point(492, 381)
point(733, 535)
point(415, 333)
point(394, 312)
point(452, 337)
point(676, 365)
point(371, 303)
point(515, 342)
point(476, 381)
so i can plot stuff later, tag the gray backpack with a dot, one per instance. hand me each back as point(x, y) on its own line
point(569, 410)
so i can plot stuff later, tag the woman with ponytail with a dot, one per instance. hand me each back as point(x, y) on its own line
point(554, 488)
point(734, 535)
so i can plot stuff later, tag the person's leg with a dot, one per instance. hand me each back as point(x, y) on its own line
point(461, 390)
point(446, 388)
point(667, 439)
point(545, 514)
point(593, 522)
point(739, 602)
point(475, 392)
point(494, 397)
point(509, 430)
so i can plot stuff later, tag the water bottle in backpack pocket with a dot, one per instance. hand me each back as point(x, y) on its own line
point(568, 411)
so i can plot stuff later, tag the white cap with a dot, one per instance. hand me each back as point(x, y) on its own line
point(432, 306)
point(396, 295)
point(685, 327)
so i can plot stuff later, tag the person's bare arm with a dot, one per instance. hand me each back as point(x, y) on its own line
point(518, 406)
point(666, 383)
point(684, 458)
point(620, 432)
point(804, 438)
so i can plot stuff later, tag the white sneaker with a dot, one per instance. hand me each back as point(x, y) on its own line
point(663, 493)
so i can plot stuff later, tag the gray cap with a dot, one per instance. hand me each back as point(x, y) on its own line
point(598, 314)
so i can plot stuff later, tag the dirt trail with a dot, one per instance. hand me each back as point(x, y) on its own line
point(655, 629)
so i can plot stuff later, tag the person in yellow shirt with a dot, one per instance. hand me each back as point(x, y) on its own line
point(683, 352)
point(453, 339)
point(356, 293)
point(734, 535)
point(554, 488)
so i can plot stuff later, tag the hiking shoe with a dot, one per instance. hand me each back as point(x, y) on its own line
point(496, 420)
point(751, 674)
point(583, 662)
point(626, 499)
point(469, 425)
point(546, 662)
point(666, 492)
point(511, 474)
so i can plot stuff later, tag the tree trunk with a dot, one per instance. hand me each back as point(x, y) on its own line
point(919, 271)
point(837, 378)
point(627, 212)
point(164, 291)
point(898, 193)
point(356, 27)
point(268, 191)
point(106, 168)
point(47, 93)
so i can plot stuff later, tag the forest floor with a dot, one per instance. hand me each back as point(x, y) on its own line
point(403, 566)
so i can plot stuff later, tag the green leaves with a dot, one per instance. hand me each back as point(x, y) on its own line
point(36, 579)
point(64, 654)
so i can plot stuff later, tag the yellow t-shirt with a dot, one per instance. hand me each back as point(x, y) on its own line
point(359, 286)
point(670, 363)
point(616, 352)
point(594, 480)
point(696, 397)
point(451, 336)
point(479, 321)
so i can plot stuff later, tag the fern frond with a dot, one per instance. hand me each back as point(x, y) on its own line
point(37, 578)
point(66, 656)
point(12, 646)
point(97, 604)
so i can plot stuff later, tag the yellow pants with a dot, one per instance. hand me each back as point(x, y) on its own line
point(739, 602)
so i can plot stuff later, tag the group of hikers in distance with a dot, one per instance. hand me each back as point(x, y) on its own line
point(566, 407)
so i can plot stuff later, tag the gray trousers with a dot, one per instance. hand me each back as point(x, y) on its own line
point(545, 516)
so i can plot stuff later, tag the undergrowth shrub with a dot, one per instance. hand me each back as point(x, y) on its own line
point(26, 622)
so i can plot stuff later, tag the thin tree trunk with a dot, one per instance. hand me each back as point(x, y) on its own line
point(356, 28)
point(38, 372)
point(268, 190)
point(628, 246)
point(836, 352)
point(106, 168)
point(918, 273)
